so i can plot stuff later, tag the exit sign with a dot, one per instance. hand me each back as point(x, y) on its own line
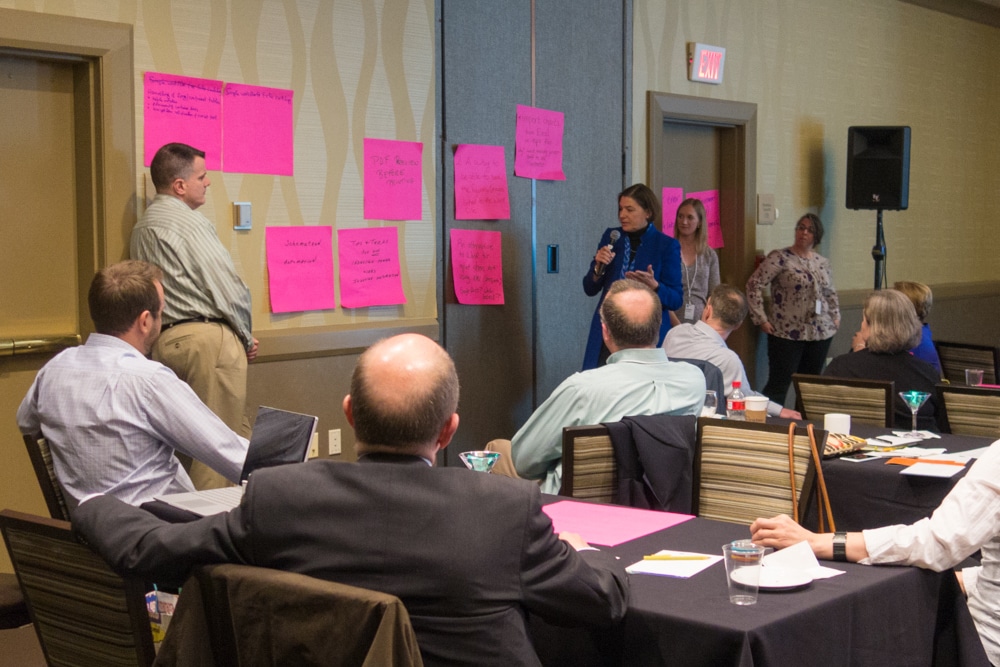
point(705, 62)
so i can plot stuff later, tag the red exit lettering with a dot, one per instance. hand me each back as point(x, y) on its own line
point(708, 66)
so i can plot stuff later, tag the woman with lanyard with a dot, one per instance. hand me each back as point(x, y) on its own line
point(805, 311)
point(699, 263)
point(638, 250)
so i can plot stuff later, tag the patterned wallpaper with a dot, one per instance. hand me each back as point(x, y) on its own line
point(363, 68)
point(816, 67)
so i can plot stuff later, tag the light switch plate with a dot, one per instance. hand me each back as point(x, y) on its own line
point(334, 442)
point(241, 215)
point(766, 213)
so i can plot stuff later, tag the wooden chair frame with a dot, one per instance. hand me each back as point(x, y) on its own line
point(947, 422)
point(41, 462)
point(84, 614)
point(956, 357)
point(888, 386)
point(780, 433)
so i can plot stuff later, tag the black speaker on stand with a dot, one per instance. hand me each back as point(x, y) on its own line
point(878, 177)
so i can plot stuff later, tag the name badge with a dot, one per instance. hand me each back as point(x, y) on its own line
point(689, 311)
point(819, 307)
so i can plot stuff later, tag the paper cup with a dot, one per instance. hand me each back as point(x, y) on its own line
point(756, 410)
point(836, 422)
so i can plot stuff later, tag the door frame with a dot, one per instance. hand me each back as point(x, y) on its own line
point(101, 54)
point(736, 123)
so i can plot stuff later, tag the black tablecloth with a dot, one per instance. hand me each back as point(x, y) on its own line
point(867, 616)
point(871, 494)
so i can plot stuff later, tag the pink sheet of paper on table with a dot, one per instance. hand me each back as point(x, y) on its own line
point(710, 198)
point(672, 198)
point(393, 179)
point(608, 525)
point(258, 136)
point(182, 109)
point(477, 267)
point(300, 268)
point(538, 144)
point(369, 267)
point(481, 183)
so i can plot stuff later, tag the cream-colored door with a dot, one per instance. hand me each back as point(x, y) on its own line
point(39, 287)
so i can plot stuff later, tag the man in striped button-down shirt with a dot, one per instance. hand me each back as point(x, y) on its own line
point(206, 337)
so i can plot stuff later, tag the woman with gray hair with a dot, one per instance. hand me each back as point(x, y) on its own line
point(889, 329)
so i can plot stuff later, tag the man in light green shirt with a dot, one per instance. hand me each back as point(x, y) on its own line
point(637, 380)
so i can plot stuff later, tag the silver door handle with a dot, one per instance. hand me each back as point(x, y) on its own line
point(40, 345)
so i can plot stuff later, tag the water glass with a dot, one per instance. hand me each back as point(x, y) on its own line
point(711, 404)
point(743, 563)
point(973, 376)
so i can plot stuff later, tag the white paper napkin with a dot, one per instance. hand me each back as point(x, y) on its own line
point(800, 557)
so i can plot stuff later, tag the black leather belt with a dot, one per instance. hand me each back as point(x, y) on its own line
point(204, 320)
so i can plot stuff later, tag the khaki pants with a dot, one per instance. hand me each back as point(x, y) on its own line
point(212, 360)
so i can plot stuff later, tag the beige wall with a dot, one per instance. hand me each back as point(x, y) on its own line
point(359, 69)
point(816, 67)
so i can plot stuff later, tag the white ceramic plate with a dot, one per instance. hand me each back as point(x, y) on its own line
point(777, 578)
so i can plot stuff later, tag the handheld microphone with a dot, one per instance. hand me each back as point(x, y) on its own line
point(615, 234)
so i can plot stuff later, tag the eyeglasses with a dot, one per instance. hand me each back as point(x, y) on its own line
point(805, 228)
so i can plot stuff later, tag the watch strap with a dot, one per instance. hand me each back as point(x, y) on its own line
point(840, 546)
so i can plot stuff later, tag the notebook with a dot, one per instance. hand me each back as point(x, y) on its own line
point(278, 437)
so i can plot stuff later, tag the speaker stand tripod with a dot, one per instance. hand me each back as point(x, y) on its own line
point(878, 252)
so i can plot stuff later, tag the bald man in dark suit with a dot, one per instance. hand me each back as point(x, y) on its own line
point(469, 554)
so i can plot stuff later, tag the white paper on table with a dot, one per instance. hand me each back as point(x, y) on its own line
point(964, 457)
point(911, 452)
point(800, 557)
point(924, 435)
point(932, 470)
point(681, 569)
point(891, 441)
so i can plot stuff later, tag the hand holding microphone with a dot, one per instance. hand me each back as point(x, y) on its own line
point(605, 254)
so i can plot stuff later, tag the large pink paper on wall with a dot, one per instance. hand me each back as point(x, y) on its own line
point(538, 144)
point(608, 525)
point(710, 198)
point(182, 109)
point(300, 268)
point(369, 267)
point(393, 180)
point(481, 183)
point(477, 266)
point(672, 198)
point(258, 136)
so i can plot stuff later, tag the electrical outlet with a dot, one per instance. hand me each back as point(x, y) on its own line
point(334, 441)
point(314, 446)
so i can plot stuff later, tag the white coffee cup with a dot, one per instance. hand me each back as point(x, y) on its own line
point(756, 408)
point(836, 422)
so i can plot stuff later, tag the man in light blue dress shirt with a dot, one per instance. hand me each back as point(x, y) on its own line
point(706, 340)
point(113, 418)
point(637, 380)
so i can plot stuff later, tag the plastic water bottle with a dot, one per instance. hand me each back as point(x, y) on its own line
point(736, 405)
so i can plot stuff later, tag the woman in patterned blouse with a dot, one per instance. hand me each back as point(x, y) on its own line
point(805, 311)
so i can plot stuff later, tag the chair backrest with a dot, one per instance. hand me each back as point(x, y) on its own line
point(969, 410)
point(41, 462)
point(248, 616)
point(84, 613)
point(741, 470)
point(867, 401)
point(589, 468)
point(956, 357)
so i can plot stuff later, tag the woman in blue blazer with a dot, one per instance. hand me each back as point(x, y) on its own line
point(639, 250)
